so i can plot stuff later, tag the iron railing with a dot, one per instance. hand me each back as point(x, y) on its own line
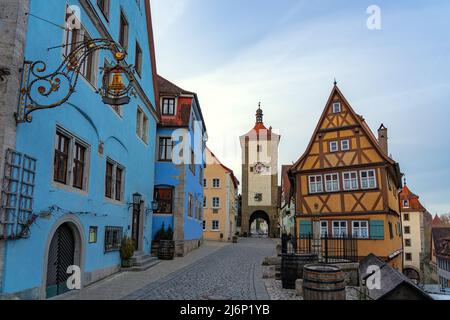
point(329, 249)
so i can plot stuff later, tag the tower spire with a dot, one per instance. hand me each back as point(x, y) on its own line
point(259, 114)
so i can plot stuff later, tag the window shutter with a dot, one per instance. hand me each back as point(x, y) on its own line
point(305, 228)
point(377, 229)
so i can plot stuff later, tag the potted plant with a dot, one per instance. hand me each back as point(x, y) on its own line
point(126, 251)
point(166, 248)
point(235, 238)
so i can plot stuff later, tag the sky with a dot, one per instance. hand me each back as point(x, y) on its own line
point(286, 53)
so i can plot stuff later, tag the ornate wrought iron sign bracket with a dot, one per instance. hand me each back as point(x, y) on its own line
point(40, 90)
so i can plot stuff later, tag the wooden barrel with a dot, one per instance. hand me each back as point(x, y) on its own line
point(323, 282)
point(166, 250)
point(292, 267)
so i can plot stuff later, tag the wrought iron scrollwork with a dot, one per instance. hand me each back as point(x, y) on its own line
point(37, 83)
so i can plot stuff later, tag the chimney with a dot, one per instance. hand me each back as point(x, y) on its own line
point(383, 139)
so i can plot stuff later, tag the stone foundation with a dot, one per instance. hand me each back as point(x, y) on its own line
point(351, 273)
point(183, 247)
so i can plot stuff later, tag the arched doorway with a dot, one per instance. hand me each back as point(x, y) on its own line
point(412, 274)
point(64, 251)
point(259, 224)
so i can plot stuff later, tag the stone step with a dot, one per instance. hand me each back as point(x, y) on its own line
point(140, 258)
point(142, 266)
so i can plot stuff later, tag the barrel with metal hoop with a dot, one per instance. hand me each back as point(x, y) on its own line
point(323, 282)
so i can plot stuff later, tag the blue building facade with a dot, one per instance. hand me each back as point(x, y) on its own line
point(181, 138)
point(82, 162)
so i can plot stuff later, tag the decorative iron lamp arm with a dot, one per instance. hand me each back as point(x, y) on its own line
point(36, 81)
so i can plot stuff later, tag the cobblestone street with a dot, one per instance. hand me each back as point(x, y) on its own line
point(233, 272)
point(215, 269)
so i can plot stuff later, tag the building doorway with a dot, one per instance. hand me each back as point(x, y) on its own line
point(136, 226)
point(61, 255)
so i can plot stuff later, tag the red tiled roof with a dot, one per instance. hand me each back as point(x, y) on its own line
point(436, 221)
point(167, 87)
point(414, 203)
point(217, 161)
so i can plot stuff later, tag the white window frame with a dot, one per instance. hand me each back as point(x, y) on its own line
point(334, 143)
point(214, 206)
point(205, 202)
point(214, 185)
point(213, 228)
point(175, 102)
point(340, 228)
point(323, 228)
point(368, 179)
point(406, 203)
point(342, 145)
point(360, 228)
point(116, 165)
point(142, 125)
point(315, 184)
point(337, 108)
point(333, 182)
point(205, 183)
point(350, 180)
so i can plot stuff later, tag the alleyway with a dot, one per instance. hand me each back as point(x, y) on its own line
point(216, 269)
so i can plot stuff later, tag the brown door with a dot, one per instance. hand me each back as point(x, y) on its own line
point(136, 226)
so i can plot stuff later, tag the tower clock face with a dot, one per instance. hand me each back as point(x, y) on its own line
point(260, 168)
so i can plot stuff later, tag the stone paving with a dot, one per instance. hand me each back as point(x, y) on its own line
point(215, 269)
point(233, 272)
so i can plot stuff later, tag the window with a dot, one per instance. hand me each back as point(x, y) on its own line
point(323, 228)
point(142, 125)
point(350, 180)
point(113, 238)
point(192, 162)
point(315, 184)
point(205, 202)
point(407, 230)
point(205, 183)
point(104, 8)
point(216, 202)
point(368, 179)
point(215, 225)
point(190, 206)
point(93, 234)
point(60, 165)
point(168, 106)
point(339, 228)
point(391, 231)
point(334, 146)
point(114, 180)
point(258, 197)
point(138, 59)
point(164, 196)
point(70, 153)
point(345, 145)
point(336, 107)
point(204, 225)
point(360, 229)
point(406, 216)
point(78, 165)
point(259, 148)
point(123, 31)
point(332, 182)
point(408, 256)
point(407, 242)
point(165, 149)
point(405, 203)
point(216, 183)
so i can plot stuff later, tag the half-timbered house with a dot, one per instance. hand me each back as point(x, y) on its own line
point(346, 184)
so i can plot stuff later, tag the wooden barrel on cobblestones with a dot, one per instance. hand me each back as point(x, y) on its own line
point(292, 267)
point(166, 250)
point(323, 282)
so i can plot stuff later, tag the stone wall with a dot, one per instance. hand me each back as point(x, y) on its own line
point(13, 27)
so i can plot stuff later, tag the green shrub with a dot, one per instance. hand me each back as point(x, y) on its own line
point(126, 248)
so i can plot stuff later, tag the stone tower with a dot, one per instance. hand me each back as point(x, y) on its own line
point(259, 176)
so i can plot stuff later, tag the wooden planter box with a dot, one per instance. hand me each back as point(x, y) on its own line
point(155, 247)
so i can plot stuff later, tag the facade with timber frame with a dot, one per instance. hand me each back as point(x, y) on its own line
point(346, 184)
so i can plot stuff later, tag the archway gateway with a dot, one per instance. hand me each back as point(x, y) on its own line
point(64, 251)
point(259, 215)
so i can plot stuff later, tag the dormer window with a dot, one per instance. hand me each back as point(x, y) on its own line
point(168, 106)
point(336, 107)
point(405, 203)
